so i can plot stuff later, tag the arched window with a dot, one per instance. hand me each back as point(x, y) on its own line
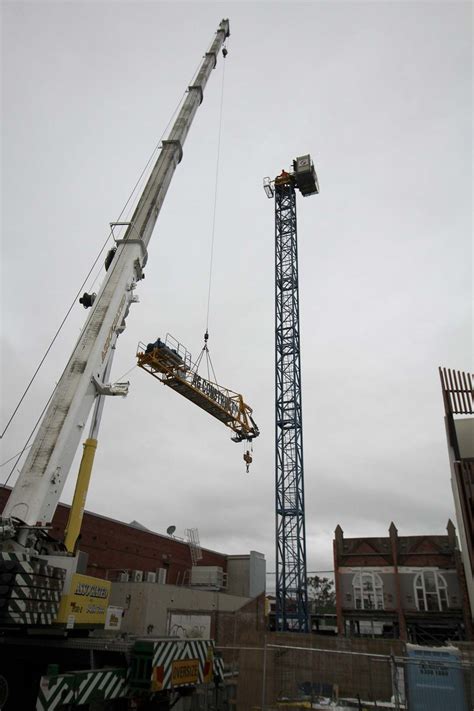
point(431, 591)
point(368, 591)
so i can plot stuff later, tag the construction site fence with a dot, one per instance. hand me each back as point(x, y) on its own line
point(276, 676)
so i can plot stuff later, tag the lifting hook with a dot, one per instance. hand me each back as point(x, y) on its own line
point(247, 460)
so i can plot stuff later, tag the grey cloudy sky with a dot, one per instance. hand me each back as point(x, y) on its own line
point(380, 94)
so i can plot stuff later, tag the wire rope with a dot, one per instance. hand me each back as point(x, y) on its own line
point(134, 189)
point(213, 232)
point(128, 371)
point(215, 196)
point(53, 341)
point(3, 464)
point(25, 446)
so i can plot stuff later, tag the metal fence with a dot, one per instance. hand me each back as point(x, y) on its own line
point(274, 676)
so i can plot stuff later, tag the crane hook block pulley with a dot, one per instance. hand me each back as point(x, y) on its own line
point(248, 460)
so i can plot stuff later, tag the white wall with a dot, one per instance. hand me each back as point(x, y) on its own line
point(146, 605)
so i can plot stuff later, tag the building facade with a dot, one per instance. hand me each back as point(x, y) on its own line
point(457, 388)
point(403, 587)
point(123, 552)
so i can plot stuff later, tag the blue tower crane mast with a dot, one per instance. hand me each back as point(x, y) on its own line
point(291, 586)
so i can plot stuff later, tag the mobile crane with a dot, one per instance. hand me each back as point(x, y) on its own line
point(41, 579)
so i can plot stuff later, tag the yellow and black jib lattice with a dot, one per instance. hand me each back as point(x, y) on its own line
point(171, 363)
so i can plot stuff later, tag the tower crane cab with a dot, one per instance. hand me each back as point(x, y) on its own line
point(303, 177)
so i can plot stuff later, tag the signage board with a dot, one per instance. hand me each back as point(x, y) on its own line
point(184, 671)
point(86, 602)
point(435, 679)
point(113, 618)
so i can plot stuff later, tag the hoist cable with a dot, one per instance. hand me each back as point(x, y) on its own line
point(125, 374)
point(215, 194)
point(3, 464)
point(25, 447)
point(53, 340)
point(205, 350)
point(158, 145)
point(19, 454)
point(209, 362)
point(213, 230)
point(156, 148)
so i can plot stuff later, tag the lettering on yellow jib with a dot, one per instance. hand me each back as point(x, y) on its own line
point(213, 393)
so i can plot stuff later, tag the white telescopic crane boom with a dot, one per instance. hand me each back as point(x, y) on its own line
point(36, 494)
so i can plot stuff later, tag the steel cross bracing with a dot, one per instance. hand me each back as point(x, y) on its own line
point(291, 586)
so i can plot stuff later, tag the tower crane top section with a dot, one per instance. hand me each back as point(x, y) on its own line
point(303, 176)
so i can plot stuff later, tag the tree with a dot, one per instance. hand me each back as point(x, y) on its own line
point(322, 594)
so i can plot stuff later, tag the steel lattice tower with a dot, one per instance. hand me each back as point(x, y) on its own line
point(291, 588)
point(291, 584)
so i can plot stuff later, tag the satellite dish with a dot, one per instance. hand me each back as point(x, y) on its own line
point(170, 530)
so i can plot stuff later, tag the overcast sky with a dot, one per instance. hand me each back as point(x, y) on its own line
point(380, 94)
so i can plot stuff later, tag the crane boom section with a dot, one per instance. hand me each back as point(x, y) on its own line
point(36, 494)
point(173, 367)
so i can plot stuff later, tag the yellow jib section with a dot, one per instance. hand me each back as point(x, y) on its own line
point(74, 523)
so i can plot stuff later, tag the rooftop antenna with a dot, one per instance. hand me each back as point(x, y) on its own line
point(170, 530)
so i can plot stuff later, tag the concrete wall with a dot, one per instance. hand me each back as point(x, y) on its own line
point(465, 434)
point(113, 545)
point(147, 605)
point(258, 574)
point(246, 574)
point(463, 527)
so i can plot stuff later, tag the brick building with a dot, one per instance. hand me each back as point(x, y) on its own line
point(404, 587)
point(113, 547)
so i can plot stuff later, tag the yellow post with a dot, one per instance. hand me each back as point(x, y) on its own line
point(76, 513)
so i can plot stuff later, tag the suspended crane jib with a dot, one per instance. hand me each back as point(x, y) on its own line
point(171, 363)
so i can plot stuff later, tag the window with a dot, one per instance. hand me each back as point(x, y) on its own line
point(431, 591)
point(368, 591)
